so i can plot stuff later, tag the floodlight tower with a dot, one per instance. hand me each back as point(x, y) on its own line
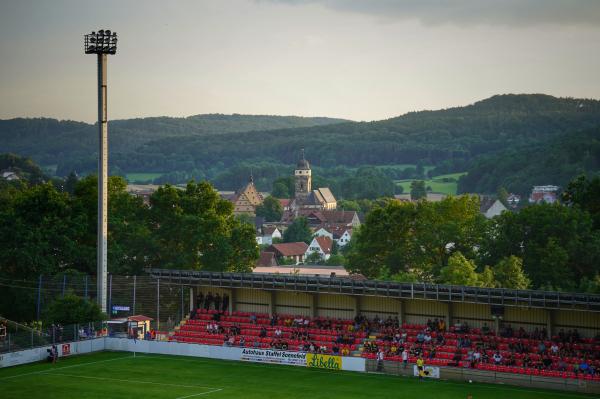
point(102, 43)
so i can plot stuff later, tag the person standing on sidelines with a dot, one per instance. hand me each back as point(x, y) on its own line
point(405, 358)
point(380, 360)
point(421, 367)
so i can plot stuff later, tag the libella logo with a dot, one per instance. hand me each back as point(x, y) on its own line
point(323, 361)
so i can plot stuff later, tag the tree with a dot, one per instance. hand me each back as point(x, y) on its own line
point(417, 190)
point(298, 231)
point(460, 271)
point(509, 274)
point(557, 244)
point(71, 182)
point(503, 196)
point(196, 229)
point(487, 278)
point(270, 209)
point(585, 194)
point(72, 309)
point(283, 187)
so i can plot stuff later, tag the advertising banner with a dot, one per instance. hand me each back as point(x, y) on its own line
point(323, 361)
point(273, 356)
point(428, 371)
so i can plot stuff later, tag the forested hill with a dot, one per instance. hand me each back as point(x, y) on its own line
point(555, 162)
point(451, 139)
point(68, 143)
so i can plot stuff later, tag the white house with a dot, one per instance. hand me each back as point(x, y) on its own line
point(268, 234)
point(345, 238)
point(9, 175)
point(323, 232)
point(320, 245)
point(490, 207)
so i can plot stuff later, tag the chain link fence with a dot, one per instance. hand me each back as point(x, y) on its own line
point(26, 301)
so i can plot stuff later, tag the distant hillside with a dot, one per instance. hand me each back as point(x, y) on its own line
point(454, 136)
point(452, 140)
point(554, 162)
point(70, 144)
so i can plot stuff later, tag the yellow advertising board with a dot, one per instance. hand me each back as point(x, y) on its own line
point(323, 361)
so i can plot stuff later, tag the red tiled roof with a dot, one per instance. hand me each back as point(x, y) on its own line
point(266, 259)
point(325, 243)
point(290, 248)
point(268, 230)
point(284, 202)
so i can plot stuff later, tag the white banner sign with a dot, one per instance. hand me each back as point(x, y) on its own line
point(273, 356)
point(428, 371)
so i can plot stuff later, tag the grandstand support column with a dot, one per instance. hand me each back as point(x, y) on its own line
point(192, 299)
point(449, 315)
point(356, 299)
point(231, 300)
point(272, 299)
point(550, 316)
point(401, 311)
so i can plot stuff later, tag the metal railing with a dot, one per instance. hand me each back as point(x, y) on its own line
point(17, 337)
point(389, 289)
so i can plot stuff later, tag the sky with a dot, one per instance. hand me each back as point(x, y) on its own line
point(359, 60)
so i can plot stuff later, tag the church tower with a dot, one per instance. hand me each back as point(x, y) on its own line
point(303, 179)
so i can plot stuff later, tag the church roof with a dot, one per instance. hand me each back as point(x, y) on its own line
point(303, 164)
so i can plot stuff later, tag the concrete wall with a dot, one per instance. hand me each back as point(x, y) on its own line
point(41, 353)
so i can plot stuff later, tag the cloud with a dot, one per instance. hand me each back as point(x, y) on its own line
point(521, 13)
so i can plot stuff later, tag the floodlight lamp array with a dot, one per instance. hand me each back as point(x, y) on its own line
point(102, 42)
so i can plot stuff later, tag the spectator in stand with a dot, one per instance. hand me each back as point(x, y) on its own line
point(441, 325)
point(225, 301)
point(278, 332)
point(263, 332)
point(541, 348)
point(242, 342)
point(273, 320)
point(485, 330)
point(208, 301)
point(497, 358)
point(199, 300)
point(584, 367)
point(427, 338)
point(458, 327)
point(562, 365)
point(217, 300)
point(253, 318)
point(554, 349)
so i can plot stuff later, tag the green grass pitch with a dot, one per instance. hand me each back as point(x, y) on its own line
point(120, 375)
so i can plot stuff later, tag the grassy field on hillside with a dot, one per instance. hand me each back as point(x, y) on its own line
point(142, 177)
point(120, 375)
point(443, 184)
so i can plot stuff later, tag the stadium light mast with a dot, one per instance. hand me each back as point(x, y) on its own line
point(102, 43)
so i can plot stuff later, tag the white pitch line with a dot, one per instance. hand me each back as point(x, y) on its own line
point(65, 367)
point(200, 394)
point(134, 381)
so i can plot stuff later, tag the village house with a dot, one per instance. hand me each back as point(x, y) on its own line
point(289, 251)
point(322, 246)
point(547, 194)
point(246, 199)
point(10, 175)
point(491, 207)
point(268, 234)
point(267, 259)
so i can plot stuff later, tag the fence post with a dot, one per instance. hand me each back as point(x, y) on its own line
point(158, 304)
point(109, 308)
point(181, 291)
point(39, 297)
point(134, 287)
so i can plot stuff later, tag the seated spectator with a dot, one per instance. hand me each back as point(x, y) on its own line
point(427, 338)
point(485, 329)
point(497, 358)
point(253, 318)
point(278, 332)
point(263, 332)
point(242, 342)
point(273, 320)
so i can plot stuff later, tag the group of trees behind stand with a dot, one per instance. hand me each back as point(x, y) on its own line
point(544, 246)
point(47, 230)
